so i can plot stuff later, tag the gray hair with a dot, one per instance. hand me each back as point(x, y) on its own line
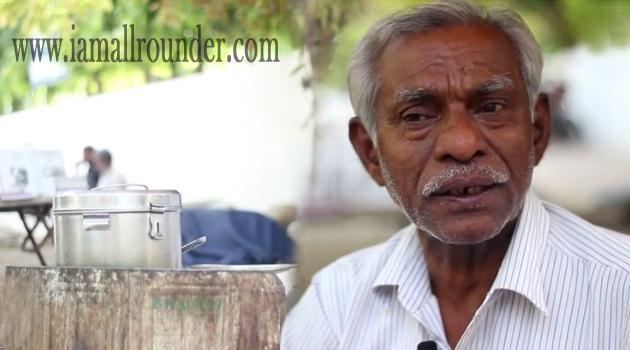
point(363, 80)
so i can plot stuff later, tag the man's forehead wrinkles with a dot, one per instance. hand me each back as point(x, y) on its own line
point(453, 55)
point(453, 73)
point(468, 75)
point(415, 71)
point(426, 60)
point(425, 66)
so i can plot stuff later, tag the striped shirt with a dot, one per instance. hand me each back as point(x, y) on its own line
point(563, 284)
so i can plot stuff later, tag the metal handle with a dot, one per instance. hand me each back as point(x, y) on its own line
point(157, 208)
point(194, 244)
point(119, 186)
point(96, 222)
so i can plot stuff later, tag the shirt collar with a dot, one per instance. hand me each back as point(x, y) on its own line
point(520, 270)
point(405, 269)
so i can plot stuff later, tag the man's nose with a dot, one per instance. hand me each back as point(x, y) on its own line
point(460, 139)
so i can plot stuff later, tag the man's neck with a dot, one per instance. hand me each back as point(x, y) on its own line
point(462, 275)
point(460, 267)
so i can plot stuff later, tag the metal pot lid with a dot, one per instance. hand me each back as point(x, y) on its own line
point(120, 198)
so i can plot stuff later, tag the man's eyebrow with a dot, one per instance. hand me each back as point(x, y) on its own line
point(413, 94)
point(496, 83)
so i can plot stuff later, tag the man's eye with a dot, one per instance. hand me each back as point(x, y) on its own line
point(492, 107)
point(415, 117)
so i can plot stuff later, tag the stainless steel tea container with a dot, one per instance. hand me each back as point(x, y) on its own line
point(118, 226)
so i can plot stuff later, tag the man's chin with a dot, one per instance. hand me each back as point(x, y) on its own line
point(464, 235)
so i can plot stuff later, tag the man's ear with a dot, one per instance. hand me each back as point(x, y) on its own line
point(365, 149)
point(541, 126)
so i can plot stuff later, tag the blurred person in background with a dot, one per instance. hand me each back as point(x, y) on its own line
point(450, 120)
point(87, 166)
point(108, 175)
point(562, 127)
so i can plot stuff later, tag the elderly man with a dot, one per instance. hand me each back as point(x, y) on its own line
point(450, 121)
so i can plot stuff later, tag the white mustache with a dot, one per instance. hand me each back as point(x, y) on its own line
point(436, 182)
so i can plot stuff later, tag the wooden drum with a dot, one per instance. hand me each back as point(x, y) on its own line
point(87, 308)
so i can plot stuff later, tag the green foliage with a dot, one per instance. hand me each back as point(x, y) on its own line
point(283, 19)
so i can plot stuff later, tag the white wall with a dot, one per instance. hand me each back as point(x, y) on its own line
point(237, 133)
point(597, 95)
